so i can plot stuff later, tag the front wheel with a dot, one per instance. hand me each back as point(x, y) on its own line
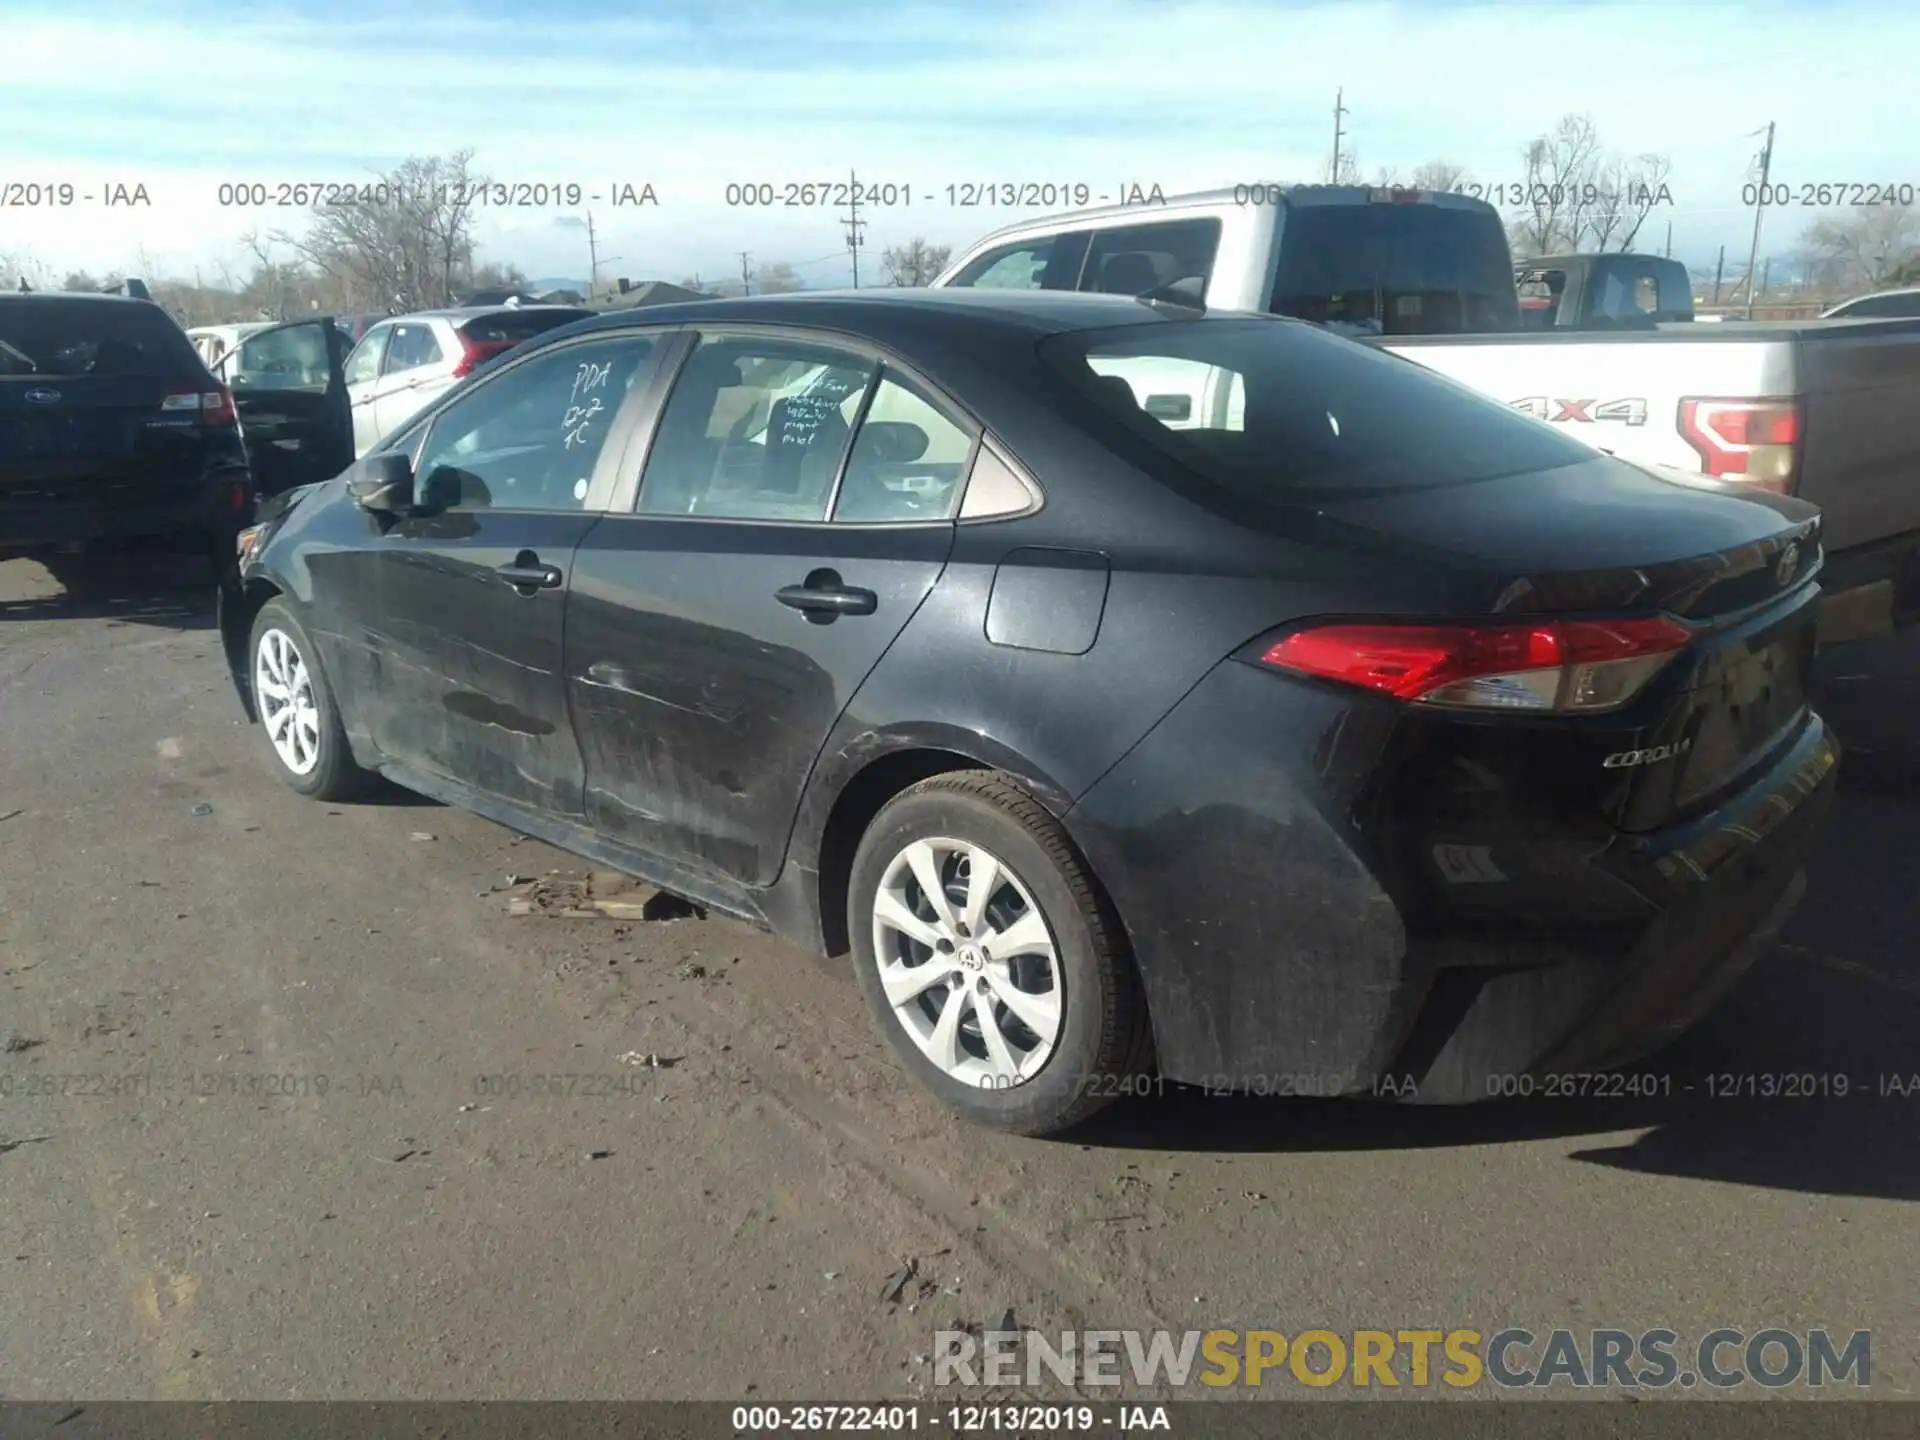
point(989, 958)
point(297, 710)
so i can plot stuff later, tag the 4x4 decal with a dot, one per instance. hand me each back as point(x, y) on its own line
point(1631, 411)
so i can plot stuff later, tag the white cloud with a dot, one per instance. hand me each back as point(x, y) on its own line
point(1183, 95)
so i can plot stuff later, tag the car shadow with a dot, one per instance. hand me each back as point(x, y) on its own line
point(1869, 692)
point(1806, 1078)
point(131, 587)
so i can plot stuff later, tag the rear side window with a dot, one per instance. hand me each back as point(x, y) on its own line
point(411, 347)
point(513, 326)
point(62, 337)
point(1395, 269)
point(1261, 409)
point(1139, 258)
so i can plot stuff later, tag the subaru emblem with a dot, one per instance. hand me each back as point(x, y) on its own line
point(42, 397)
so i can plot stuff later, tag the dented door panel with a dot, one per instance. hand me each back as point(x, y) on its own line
point(700, 699)
point(466, 668)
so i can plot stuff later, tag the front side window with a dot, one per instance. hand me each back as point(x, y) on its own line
point(1274, 410)
point(529, 438)
point(363, 365)
point(755, 429)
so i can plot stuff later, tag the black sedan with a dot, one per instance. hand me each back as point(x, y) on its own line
point(1338, 732)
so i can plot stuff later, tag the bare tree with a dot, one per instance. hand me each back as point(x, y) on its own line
point(1558, 175)
point(82, 280)
point(779, 278)
point(914, 263)
point(1439, 175)
point(1628, 192)
point(412, 248)
point(1866, 250)
point(20, 268)
point(1345, 171)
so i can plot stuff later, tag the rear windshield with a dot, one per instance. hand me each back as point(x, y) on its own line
point(68, 337)
point(1263, 408)
point(518, 325)
point(1395, 269)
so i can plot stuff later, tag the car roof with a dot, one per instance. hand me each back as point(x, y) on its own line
point(905, 312)
point(82, 295)
point(1170, 206)
point(474, 312)
point(1878, 295)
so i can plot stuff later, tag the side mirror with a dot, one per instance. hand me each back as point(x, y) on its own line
point(384, 484)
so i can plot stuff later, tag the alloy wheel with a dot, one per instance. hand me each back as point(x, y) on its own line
point(283, 690)
point(968, 962)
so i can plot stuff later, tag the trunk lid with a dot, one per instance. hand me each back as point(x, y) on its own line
point(1609, 538)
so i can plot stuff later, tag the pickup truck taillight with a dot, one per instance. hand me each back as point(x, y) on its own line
point(1753, 440)
point(209, 407)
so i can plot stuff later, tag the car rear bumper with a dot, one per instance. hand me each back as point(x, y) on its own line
point(203, 508)
point(1281, 946)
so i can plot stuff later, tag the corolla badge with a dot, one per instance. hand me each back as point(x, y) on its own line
point(1625, 759)
point(42, 397)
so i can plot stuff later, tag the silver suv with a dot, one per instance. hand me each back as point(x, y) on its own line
point(403, 364)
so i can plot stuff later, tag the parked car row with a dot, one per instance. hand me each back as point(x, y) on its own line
point(1352, 728)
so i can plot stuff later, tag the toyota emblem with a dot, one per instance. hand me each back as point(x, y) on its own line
point(1789, 564)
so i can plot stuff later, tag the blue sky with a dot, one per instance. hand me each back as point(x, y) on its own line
point(1185, 94)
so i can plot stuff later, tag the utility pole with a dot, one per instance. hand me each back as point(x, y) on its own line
point(1766, 276)
point(1339, 112)
point(854, 225)
point(594, 260)
point(1669, 239)
point(746, 274)
point(1719, 269)
point(1759, 209)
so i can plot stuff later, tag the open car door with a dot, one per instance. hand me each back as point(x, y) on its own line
point(289, 387)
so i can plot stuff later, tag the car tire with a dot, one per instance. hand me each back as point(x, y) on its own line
point(317, 762)
point(1066, 961)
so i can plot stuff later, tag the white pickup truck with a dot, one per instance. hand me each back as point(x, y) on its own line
point(1827, 410)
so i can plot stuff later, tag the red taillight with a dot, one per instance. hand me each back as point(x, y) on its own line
point(477, 352)
point(1753, 440)
point(1569, 666)
point(237, 497)
point(208, 407)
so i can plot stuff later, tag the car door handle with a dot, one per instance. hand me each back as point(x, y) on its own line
point(830, 598)
point(527, 573)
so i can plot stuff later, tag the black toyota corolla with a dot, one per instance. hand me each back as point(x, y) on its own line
point(1335, 731)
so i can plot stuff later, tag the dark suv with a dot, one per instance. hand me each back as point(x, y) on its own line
point(112, 428)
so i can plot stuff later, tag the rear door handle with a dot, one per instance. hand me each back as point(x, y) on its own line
point(526, 573)
point(824, 596)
